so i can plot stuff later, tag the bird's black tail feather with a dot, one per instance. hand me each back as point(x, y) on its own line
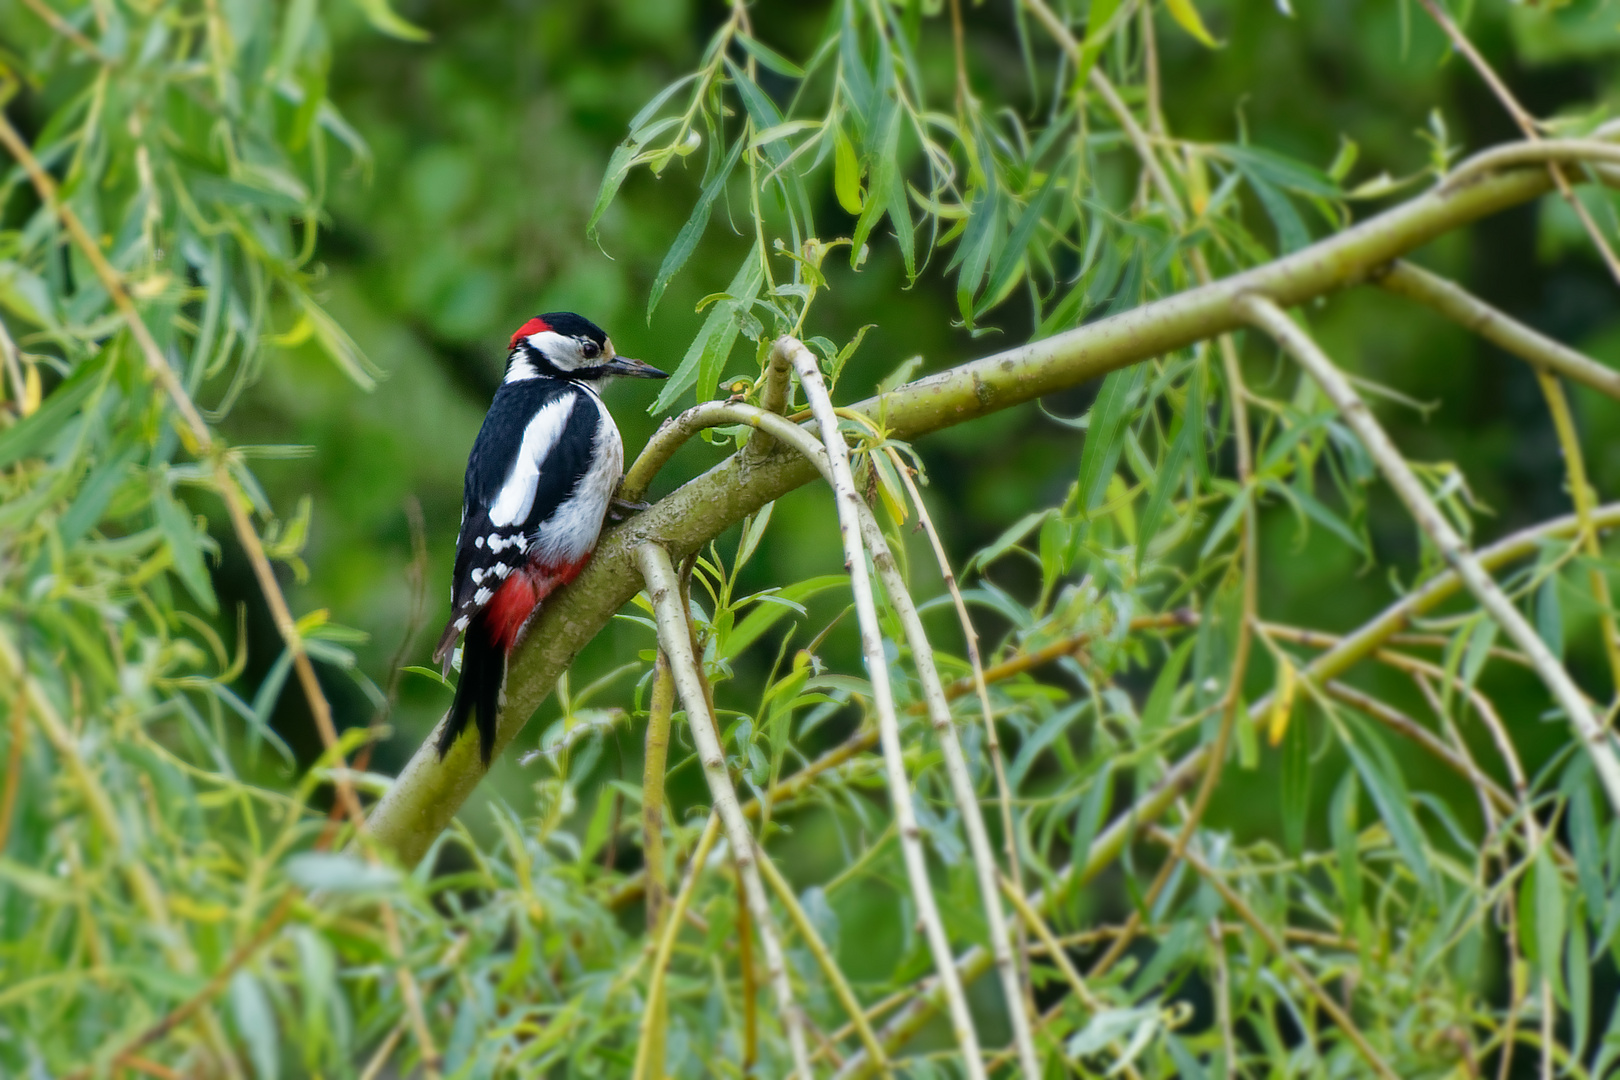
point(483, 670)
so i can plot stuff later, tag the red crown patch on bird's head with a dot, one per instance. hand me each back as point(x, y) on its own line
point(533, 326)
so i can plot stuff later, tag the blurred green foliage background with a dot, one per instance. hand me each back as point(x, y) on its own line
point(491, 139)
point(487, 143)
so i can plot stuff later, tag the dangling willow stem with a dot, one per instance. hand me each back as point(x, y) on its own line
point(674, 636)
point(877, 665)
point(1269, 317)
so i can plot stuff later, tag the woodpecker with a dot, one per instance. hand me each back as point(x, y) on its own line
point(540, 480)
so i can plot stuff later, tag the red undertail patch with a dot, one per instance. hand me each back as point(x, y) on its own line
point(509, 609)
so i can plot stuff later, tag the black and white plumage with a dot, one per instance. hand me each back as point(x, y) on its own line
point(539, 482)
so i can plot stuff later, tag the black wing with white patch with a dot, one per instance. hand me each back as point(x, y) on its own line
point(534, 447)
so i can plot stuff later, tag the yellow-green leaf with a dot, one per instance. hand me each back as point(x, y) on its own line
point(846, 173)
point(381, 16)
point(1188, 19)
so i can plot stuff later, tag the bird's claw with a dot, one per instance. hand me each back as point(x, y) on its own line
point(621, 509)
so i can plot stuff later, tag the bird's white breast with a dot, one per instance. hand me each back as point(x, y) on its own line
point(570, 534)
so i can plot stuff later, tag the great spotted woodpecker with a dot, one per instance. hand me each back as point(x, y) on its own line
point(539, 483)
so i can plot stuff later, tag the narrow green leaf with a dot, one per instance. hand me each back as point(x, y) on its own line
point(1542, 914)
point(1550, 616)
point(770, 57)
point(846, 172)
point(1291, 231)
point(691, 232)
point(256, 1023)
point(1093, 809)
point(1039, 739)
point(1282, 171)
point(1103, 438)
point(381, 16)
point(1156, 711)
point(27, 436)
point(709, 350)
point(1165, 482)
point(337, 872)
point(429, 673)
point(25, 294)
point(1013, 253)
point(1188, 18)
point(1478, 654)
point(1344, 824)
point(975, 248)
point(175, 522)
point(1585, 846)
point(1388, 790)
point(1225, 523)
point(618, 167)
point(1296, 785)
point(94, 495)
point(1578, 978)
point(1100, 12)
point(764, 616)
point(881, 149)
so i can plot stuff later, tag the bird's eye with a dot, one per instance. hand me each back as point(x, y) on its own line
point(591, 350)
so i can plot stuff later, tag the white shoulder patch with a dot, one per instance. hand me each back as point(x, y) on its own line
point(516, 497)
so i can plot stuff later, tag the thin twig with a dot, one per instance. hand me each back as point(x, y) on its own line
point(1406, 726)
point(1526, 124)
point(1352, 648)
point(14, 758)
point(992, 738)
point(1581, 494)
point(1324, 1000)
point(773, 398)
point(660, 709)
point(674, 636)
point(961, 783)
point(67, 30)
point(849, 508)
point(1499, 328)
point(384, 1051)
point(1299, 345)
point(204, 445)
point(650, 1046)
point(1532, 152)
point(825, 960)
point(1054, 949)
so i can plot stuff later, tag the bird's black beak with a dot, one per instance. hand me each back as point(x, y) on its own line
point(626, 368)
